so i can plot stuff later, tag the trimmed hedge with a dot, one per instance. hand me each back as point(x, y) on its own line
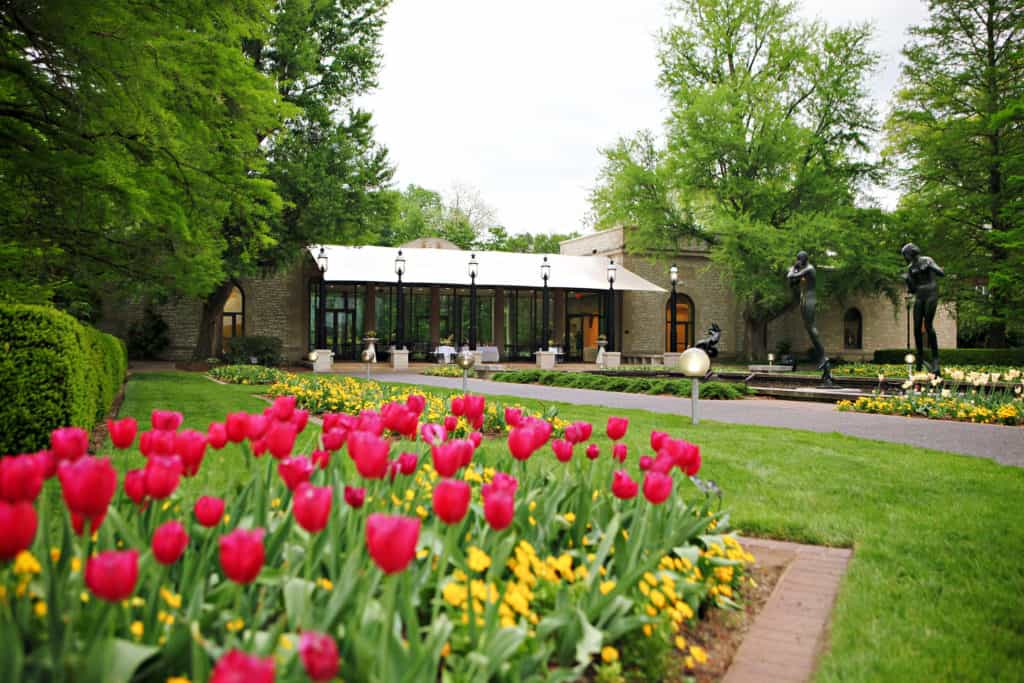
point(629, 385)
point(56, 372)
point(241, 350)
point(1014, 356)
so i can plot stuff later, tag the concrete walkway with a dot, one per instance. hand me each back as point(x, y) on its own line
point(1001, 443)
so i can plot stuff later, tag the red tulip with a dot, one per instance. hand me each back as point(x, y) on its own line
point(499, 508)
point(259, 447)
point(209, 510)
point(619, 452)
point(663, 463)
point(451, 423)
point(169, 542)
point(238, 667)
point(237, 426)
point(319, 654)
point(312, 506)
point(562, 449)
point(585, 429)
point(355, 497)
point(399, 418)
point(166, 420)
point(616, 428)
point(593, 451)
point(447, 458)
point(370, 453)
point(69, 443)
point(451, 500)
point(295, 471)
point(407, 463)
point(300, 418)
point(475, 406)
point(122, 432)
point(432, 433)
point(88, 485)
point(112, 575)
point(48, 463)
point(391, 540)
point(283, 408)
point(646, 462)
point(190, 445)
point(513, 416)
point(657, 439)
point(623, 486)
point(135, 485)
point(657, 487)
point(162, 476)
point(503, 482)
point(256, 426)
point(21, 477)
point(476, 438)
point(571, 434)
point(332, 420)
point(370, 421)
point(541, 431)
point(217, 435)
point(156, 442)
point(334, 439)
point(416, 403)
point(280, 439)
point(521, 442)
point(241, 555)
point(18, 523)
point(458, 406)
point(321, 459)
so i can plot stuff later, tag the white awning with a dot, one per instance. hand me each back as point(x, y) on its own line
point(497, 268)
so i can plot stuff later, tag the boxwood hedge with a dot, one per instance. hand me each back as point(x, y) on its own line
point(632, 385)
point(1011, 356)
point(55, 371)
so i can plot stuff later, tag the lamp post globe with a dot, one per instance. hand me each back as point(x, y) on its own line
point(695, 364)
point(610, 323)
point(673, 342)
point(545, 274)
point(474, 270)
point(465, 359)
point(400, 327)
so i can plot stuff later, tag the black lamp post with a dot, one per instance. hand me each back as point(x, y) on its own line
point(673, 274)
point(610, 324)
point(474, 269)
point(545, 273)
point(399, 271)
point(321, 328)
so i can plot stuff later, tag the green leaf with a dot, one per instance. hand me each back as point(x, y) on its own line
point(590, 642)
point(298, 604)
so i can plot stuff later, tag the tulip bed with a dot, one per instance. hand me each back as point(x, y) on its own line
point(389, 550)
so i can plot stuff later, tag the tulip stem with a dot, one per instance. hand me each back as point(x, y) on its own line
point(441, 566)
point(390, 589)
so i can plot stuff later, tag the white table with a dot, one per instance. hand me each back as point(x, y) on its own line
point(447, 352)
point(488, 354)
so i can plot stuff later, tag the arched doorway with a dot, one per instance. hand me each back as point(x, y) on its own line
point(233, 320)
point(853, 329)
point(685, 314)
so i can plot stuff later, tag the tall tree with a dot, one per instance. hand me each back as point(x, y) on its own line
point(958, 128)
point(328, 169)
point(765, 153)
point(128, 137)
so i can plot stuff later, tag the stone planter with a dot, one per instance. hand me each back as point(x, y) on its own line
point(399, 359)
point(612, 359)
point(324, 360)
point(370, 343)
point(545, 360)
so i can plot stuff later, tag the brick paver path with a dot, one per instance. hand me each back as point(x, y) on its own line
point(997, 442)
point(790, 633)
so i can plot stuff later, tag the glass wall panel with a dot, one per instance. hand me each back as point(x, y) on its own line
point(684, 323)
point(584, 312)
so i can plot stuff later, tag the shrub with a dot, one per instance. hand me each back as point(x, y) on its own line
point(1014, 356)
point(55, 371)
point(148, 338)
point(247, 374)
point(266, 350)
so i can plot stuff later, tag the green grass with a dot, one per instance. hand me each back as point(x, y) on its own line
point(933, 590)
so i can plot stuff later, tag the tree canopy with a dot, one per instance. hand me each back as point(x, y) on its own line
point(764, 154)
point(957, 131)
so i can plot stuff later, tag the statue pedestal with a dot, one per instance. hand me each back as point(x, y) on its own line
point(324, 360)
point(612, 359)
point(399, 359)
point(545, 360)
point(671, 359)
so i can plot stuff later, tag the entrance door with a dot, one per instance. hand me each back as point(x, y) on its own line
point(583, 330)
point(341, 333)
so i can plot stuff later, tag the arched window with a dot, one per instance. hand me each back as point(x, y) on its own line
point(685, 315)
point(233, 324)
point(853, 329)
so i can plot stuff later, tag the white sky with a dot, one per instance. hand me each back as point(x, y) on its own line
point(516, 98)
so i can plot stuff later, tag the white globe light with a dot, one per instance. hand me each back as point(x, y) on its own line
point(465, 359)
point(366, 355)
point(909, 359)
point(694, 362)
point(313, 355)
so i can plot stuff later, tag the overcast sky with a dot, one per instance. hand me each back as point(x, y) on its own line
point(515, 99)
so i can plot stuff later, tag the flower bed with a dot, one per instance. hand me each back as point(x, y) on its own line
point(446, 371)
point(992, 407)
point(247, 374)
point(409, 558)
point(633, 385)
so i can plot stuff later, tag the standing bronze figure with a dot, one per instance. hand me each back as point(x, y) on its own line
point(802, 279)
point(922, 278)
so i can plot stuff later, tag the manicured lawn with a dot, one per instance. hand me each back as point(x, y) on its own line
point(933, 590)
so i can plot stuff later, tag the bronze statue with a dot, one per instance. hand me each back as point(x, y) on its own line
point(922, 280)
point(710, 342)
point(802, 279)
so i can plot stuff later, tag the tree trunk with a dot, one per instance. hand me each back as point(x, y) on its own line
point(753, 338)
point(208, 344)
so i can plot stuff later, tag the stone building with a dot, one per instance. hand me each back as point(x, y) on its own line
point(432, 311)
